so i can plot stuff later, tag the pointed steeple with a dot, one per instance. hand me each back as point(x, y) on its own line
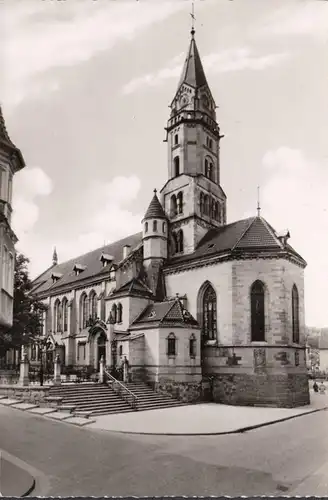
point(155, 209)
point(193, 72)
point(54, 258)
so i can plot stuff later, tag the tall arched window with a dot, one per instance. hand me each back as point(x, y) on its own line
point(146, 227)
point(180, 241)
point(93, 305)
point(65, 314)
point(209, 314)
point(174, 243)
point(176, 166)
point(155, 226)
point(206, 205)
point(84, 310)
point(295, 315)
point(192, 346)
point(171, 345)
point(114, 313)
point(174, 206)
point(164, 227)
point(180, 202)
point(206, 167)
point(201, 203)
point(257, 312)
point(57, 316)
point(119, 312)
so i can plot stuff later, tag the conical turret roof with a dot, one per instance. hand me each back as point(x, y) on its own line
point(155, 209)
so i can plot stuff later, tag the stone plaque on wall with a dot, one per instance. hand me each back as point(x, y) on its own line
point(259, 359)
point(297, 358)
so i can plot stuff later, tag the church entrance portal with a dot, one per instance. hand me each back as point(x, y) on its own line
point(101, 348)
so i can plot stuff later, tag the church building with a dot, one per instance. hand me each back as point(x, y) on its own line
point(203, 309)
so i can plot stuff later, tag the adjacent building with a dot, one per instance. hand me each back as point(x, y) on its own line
point(203, 308)
point(11, 161)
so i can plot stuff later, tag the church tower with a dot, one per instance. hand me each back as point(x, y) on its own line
point(192, 197)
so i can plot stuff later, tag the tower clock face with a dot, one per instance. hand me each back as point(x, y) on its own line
point(184, 100)
point(206, 102)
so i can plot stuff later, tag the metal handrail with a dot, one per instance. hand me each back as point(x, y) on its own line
point(134, 402)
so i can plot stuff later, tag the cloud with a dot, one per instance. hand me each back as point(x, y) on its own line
point(29, 185)
point(306, 18)
point(39, 37)
point(237, 59)
point(295, 196)
point(110, 219)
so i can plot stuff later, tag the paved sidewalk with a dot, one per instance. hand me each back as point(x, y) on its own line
point(15, 481)
point(202, 419)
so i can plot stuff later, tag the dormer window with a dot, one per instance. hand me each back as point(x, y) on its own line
point(78, 269)
point(106, 259)
point(284, 236)
point(55, 277)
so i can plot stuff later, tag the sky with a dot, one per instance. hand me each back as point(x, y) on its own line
point(85, 94)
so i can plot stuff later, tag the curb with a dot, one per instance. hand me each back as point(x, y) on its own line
point(241, 430)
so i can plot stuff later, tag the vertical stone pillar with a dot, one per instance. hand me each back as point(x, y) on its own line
point(110, 338)
point(125, 370)
point(101, 370)
point(57, 379)
point(24, 368)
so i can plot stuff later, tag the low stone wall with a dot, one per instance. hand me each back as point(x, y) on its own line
point(35, 394)
point(275, 390)
point(188, 392)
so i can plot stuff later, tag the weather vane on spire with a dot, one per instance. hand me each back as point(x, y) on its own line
point(192, 14)
point(258, 202)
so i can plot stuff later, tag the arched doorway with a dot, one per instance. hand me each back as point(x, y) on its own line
point(101, 348)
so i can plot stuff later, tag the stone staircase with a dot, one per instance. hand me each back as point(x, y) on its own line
point(89, 399)
point(92, 399)
point(148, 399)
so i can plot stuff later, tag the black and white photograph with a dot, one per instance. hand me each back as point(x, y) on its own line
point(163, 248)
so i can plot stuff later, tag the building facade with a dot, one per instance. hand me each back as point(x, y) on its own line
point(11, 161)
point(201, 308)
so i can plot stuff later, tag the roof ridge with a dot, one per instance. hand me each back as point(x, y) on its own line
point(271, 231)
point(244, 232)
point(167, 312)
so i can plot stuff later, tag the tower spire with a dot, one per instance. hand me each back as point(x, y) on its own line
point(258, 202)
point(54, 258)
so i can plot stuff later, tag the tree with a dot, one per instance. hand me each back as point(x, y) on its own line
point(27, 311)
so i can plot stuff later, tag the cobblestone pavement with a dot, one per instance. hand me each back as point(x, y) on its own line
point(273, 460)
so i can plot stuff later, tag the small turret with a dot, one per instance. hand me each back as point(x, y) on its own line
point(154, 232)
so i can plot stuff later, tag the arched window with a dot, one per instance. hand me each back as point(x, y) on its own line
point(57, 316)
point(209, 314)
point(155, 226)
point(201, 203)
point(206, 167)
point(174, 206)
point(171, 345)
point(218, 211)
point(93, 305)
point(114, 313)
point(164, 227)
point(257, 312)
point(210, 170)
point(180, 202)
point(206, 205)
point(146, 227)
point(295, 315)
point(176, 139)
point(174, 243)
point(176, 166)
point(65, 314)
point(119, 312)
point(84, 310)
point(33, 352)
point(180, 241)
point(192, 346)
point(120, 350)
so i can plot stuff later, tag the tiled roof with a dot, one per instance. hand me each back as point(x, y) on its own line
point(170, 312)
point(92, 262)
point(252, 235)
point(193, 72)
point(133, 287)
point(155, 209)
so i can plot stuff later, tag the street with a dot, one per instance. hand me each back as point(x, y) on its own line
point(278, 459)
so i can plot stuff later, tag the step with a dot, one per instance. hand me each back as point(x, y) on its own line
point(110, 412)
point(98, 406)
point(66, 408)
point(82, 414)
